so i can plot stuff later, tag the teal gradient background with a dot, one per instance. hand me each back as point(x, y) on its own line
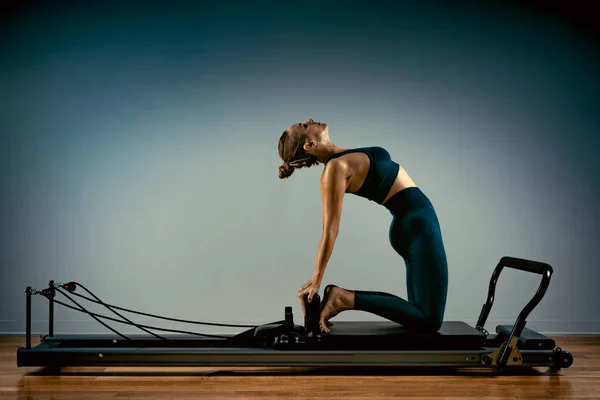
point(138, 153)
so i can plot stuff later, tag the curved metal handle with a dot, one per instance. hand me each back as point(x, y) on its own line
point(535, 267)
point(523, 265)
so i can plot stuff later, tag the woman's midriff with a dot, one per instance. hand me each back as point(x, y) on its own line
point(402, 182)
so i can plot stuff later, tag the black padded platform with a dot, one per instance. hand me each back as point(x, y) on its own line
point(386, 328)
point(359, 335)
point(529, 339)
point(389, 335)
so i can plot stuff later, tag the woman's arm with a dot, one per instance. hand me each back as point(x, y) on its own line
point(334, 184)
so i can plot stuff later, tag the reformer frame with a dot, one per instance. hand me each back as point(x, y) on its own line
point(286, 344)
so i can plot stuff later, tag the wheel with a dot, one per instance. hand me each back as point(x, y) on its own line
point(562, 359)
point(566, 358)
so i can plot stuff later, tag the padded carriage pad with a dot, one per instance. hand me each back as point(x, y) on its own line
point(529, 339)
point(390, 335)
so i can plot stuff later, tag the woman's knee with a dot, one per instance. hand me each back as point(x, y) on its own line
point(431, 324)
point(434, 324)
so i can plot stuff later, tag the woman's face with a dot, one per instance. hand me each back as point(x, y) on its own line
point(310, 128)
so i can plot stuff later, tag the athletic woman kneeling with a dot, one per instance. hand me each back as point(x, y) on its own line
point(414, 233)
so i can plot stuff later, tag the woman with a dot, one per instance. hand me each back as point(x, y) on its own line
point(414, 232)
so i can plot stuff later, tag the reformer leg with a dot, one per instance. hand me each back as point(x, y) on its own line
point(28, 292)
point(51, 309)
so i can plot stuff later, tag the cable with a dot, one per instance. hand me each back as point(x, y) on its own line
point(125, 318)
point(145, 326)
point(98, 301)
point(90, 314)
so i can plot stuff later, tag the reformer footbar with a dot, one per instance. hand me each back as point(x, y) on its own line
point(284, 343)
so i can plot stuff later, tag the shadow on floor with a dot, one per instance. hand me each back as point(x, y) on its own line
point(296, 371)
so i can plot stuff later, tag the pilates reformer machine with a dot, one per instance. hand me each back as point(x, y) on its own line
point(286, 344)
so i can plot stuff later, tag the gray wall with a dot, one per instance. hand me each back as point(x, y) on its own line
point(138, 155)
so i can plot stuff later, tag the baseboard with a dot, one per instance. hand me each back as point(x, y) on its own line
point(40, 327)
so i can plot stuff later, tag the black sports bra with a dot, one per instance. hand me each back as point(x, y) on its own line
point(381, 175)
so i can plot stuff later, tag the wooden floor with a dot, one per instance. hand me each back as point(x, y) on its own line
point(581, 381)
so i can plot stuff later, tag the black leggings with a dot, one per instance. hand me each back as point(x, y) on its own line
point(416, 236)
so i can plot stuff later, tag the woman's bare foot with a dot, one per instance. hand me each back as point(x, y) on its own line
point(338, 300)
